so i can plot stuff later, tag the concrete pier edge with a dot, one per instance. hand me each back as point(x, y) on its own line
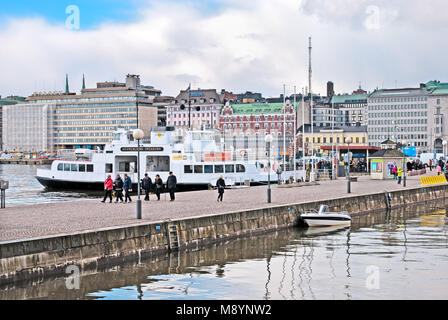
point(28, 259)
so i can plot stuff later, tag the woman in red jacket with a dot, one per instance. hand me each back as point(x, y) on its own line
point(108, 186)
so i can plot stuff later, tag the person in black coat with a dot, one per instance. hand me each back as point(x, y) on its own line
point(171, 184)
point(158, 186)
point(118, 187)
point(146, 185)
point(221, 185)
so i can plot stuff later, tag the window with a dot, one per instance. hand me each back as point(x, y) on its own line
point(188, 169)
point(208, 169)
point(198, 169)
point(240, 168)
point(82, 168)
point(109, 168)
point(74, 167)
point(230, 168)
point(157, 164)
point(66, 166)
point(60, 167)
point(90, 168)
point(219, 169)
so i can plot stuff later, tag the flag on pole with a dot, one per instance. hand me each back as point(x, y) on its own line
point(189, 87)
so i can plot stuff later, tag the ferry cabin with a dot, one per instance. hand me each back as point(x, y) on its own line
point(196, 159)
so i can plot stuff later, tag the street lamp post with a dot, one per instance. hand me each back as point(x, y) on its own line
point(444, 143)
point(268, 138)
point(404, 144)
point(138, 135)
point(348, 141)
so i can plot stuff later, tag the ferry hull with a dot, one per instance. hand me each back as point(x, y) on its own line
point(54, 184)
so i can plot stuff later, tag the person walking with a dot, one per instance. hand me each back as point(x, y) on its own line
point(146, 185)
point(118, 186)
point(395, 172)
point(127, 188)
point(171, 184)
point(221, 185)
point(439, 169)
point(430, 164)
point(399, 174)
point(158, 186)
point(108, 186)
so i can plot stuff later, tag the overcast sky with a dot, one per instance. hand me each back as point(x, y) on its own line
point(256, 45)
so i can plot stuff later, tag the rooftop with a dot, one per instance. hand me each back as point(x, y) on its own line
point(258, 108)
point(383, 93)
point(345, 129)
point(349, 98)
point(388, 153)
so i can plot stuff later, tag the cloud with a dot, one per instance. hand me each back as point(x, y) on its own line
point(242, 45)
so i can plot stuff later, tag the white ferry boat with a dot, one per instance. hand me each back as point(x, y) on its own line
point(197, 159)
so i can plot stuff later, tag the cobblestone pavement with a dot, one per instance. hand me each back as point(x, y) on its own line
point(72, 217)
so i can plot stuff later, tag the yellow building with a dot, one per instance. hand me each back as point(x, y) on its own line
point(325, 138)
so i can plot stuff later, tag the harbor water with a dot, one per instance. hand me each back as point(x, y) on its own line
point(24, 189)
point(391, 255)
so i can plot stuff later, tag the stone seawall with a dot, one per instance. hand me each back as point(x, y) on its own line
point(49, 256)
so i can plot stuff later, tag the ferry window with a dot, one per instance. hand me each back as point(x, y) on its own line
point(208, 169)
point(240, 168)
point(188, 169)
point(230, 168)
point(66, 166)
point(90, 168)
point(219, 169)
point(109, 168)
point(158, 164)
point(74, 167)
point(82, 168)
point(124, 167)
point(197, 169)
point(60, 167)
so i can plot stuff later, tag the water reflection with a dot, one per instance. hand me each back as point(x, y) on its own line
point(292, 264)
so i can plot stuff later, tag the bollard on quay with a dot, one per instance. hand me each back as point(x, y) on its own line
point(3, 186)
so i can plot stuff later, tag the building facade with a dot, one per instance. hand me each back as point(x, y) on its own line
point(162, 103)
point(11, 100)
point(90, 119)
point(437, 116)
point(323, 138)
point(353, 107)
point(28, 127)
point(249, 97)
point(195, 109)
point(400, 114)
point(258, 117)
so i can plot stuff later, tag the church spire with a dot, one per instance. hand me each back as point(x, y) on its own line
point(83, 82)
point(66, 84)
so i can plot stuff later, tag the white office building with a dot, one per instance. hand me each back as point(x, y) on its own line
point(28, 127)
point(399, 114)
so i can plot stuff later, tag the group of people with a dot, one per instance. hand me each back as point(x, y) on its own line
point(397, 173)
point(119, 186)
point(441, 167)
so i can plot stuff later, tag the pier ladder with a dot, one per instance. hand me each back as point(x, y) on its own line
point(173, 237)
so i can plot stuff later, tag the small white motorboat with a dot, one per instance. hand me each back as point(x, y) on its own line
point(325, 218)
